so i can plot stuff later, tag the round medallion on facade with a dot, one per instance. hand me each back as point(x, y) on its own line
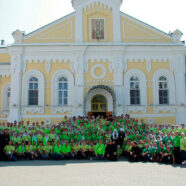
point(98, 71)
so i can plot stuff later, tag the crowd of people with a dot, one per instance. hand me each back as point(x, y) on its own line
point(93, 138)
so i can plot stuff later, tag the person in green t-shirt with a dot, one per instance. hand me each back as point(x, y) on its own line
point(20, 151)
point(167, 156)
point(183, 147)
point(57, 152)
point(66, 150)
point(145, 155)
point(29, 151)
point(100, 150)
point(176, 144)
point(40, 151)
point(91, 150)
point(9, 151)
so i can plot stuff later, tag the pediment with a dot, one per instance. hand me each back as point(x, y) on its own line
point(62, 30)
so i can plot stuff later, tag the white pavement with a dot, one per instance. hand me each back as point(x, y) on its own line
point(90, 173)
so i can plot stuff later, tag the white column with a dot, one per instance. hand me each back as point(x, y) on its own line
point(15, 95)
point(180, 89)
point(78, 69)
point(117, 68)
point(116, 25)
point(79, 25)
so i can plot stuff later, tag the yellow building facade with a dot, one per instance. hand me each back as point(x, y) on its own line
point(96, 60)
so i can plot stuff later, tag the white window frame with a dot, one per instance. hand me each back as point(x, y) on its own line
point(142, 85)
point(170, 84)
point(69, 76)
point(41, 88)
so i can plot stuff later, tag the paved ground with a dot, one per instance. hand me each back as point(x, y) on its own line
point(90, 173)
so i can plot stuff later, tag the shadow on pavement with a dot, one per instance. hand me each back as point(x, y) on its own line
point(65, 162)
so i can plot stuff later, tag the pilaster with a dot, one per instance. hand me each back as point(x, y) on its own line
point(15, 96)
point(180, 88)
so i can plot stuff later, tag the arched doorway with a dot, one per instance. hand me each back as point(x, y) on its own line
point(104, 91)
point(99, 105)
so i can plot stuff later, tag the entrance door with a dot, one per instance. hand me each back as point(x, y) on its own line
point(99, 105)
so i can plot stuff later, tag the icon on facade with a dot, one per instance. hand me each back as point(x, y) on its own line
point(97, 26)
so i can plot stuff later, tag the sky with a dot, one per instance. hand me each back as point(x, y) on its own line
point(29, 15)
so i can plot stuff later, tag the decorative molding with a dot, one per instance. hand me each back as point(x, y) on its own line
point(18, 36)
point(48, 66)
point(4, 107)
point(164, 108)
point(32, 109)
point(79, 4)
point(140, 59)
point(148, 65)
point(152, 115)
point(77, 64)
point(5, 73)
point(46, 116)
point(62, 109)
point(98, 66)
point(54, 59)
point(116, 64)
point(136, 109)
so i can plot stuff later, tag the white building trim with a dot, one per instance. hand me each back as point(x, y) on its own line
point(143, 87)
point(171, 86)
point(58, 74)
point(41, 87)
point(4, 107)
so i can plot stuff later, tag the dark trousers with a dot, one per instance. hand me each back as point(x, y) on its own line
point(111, 157)
point(133, 158)
point(177, 155)
point(167, 159)
point(183, 155)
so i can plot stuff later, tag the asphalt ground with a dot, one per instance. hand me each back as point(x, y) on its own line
point(90, 173)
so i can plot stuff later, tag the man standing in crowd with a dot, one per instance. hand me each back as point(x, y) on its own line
point(110, 152)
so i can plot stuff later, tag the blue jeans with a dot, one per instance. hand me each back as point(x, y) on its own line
point(183, 155)
point(99, 157)
point(11, 157)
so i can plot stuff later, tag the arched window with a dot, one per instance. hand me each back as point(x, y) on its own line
point(33, 91)
point(63, 91)
point(163, 91)
point(134, 91)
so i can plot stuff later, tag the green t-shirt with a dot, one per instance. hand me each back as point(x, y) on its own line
point(29, 148)
point(9, 149)
point(183, 143)
point(128, 147)
point(76, 148)
point(57, 149)
point(176, 141)
point(47, 149)
point(100, 149)
point(21, 149)
point(66, 149)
